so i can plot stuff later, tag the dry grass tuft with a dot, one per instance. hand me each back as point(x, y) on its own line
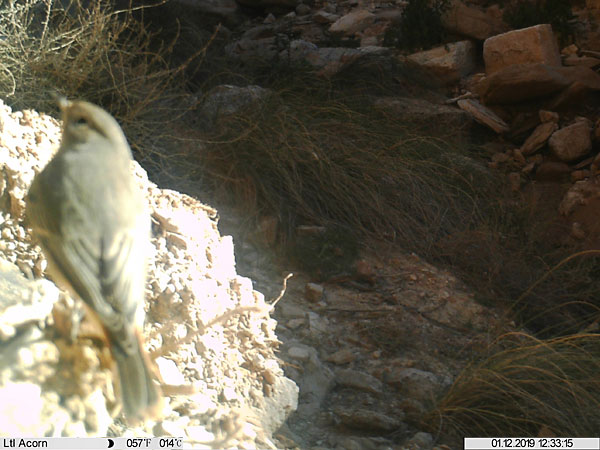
point(312, 159)
point(524, 386)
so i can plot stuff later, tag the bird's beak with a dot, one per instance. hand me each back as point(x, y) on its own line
point(61, 101)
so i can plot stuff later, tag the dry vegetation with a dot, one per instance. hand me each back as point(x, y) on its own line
point(89, 50)
point(526, 387)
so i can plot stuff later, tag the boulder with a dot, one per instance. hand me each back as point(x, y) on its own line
point(474, 22)
point(322, 16)
point(522, 82)
point(330, 60)
point(420, 111)
point(449, 63)
point(572, 142)
point(535, 44)
point(552, 171)
point(225, 100)
point(588, 61)
point(352, 22)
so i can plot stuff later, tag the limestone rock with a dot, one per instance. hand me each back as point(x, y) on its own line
point(421, 384)
point(572, 142)
point(548, 116)
point(352, 22)
point(358, 380)
point(420, 111)
point(342, 356)
point(364, 419)
point(449, 63)
point(588, 61)
point(483, 115)
point(323, 16)
point(22, 302)
point(535, 44)
point(538, 138)
point(226, 99)
point(581, 193)
point(522, 82)
point(331, 60)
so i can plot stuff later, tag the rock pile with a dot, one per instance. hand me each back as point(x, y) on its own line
point(210, 333)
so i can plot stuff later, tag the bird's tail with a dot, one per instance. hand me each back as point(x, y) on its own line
point(141, 398)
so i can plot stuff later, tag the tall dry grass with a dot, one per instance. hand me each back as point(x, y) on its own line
point(524, 386)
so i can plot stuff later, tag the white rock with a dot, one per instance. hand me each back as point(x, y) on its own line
point(169, 372)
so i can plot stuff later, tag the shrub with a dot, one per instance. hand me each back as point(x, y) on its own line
point(523, 386)
point(526, 13)
point(89, 50)
point(420, 27)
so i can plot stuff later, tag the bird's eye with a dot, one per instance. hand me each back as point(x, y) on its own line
point(80, 121)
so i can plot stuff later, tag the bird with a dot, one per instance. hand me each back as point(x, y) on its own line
point(92, 223)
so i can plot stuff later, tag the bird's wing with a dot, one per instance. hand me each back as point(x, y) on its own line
point(100, 278)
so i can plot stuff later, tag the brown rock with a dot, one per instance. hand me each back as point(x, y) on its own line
point(581, 193)
point(364, 419)
point(373, 34)
point(359, 380)
point(577, 231)
point(528, 168)
point(548, 116)
point(352, 22)
point(365, 271)
point(573, 95)
point(483, 115)
point(538, 138)
point(474, 22)
point(535, 44)
point(569, 50)
point(584, 163)
point(449, 63)
point(581, 74)
point(421, 384)
point(471, 83)
point(521, 82)
point(578, 175)
point(343, 356)
point(518, 157)
point(588, 61)
point(572, 142)
point(313, 292)
point(322, 16)
point(552, 171)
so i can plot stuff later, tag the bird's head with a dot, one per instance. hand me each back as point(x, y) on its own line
point(84, 122)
